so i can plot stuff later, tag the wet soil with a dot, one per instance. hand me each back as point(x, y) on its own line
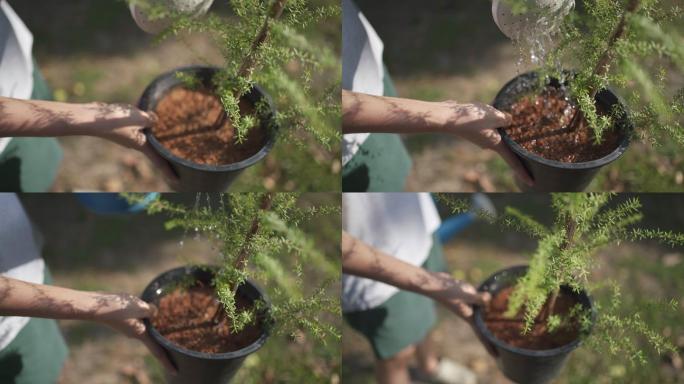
point(192, 125)
point(509, 330)
point(194, 319)
point(540, 126)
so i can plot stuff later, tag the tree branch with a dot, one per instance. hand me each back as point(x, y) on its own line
point(241, 260)
point(249, 62)
point(602, 67)
point(602, 64)
point(570, 229)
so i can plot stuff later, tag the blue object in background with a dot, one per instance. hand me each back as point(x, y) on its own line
point(452, 225)
point(111, 203)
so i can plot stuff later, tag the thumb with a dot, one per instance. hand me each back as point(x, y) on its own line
point(140, 309)
point(507, 118)
point(471, 296)
point(150, 116)
point(148, 309)
point(504, 118)
point(483, 298)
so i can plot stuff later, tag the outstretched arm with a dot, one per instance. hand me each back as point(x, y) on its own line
point(474, 122)
point(119, 311)
point(358, 258)
point(120, 123)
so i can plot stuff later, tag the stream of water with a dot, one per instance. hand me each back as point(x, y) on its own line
point(534, 35)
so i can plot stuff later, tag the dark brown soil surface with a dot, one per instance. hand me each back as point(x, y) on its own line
point(539, 126)
point(193, 126)
point(509, 330)
point(194, 319)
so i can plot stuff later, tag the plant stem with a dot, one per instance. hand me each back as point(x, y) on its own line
point(552, 303)
point(602, 64)
point(570, 229)
point(250, 61)
point(241, 261)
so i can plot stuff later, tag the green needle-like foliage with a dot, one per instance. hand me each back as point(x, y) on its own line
point(583, 224)
point(259, 236)
point(624, 44)
point(264, 42)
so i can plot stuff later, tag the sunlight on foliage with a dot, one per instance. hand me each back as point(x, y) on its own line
point(261, 46)
point(258, 236)
point(566, 256)
point(624, 44)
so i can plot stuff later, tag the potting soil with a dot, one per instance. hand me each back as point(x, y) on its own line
point(194, 319)
point(540, 126)
point(509, 330)
point(192, 124)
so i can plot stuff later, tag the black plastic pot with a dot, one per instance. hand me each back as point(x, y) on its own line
point(196, 177)
point(551, 175)
point(193, 366)
point(525, 366)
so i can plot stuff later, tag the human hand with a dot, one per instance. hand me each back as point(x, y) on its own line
point(124, 125)
point(479, 123)
point(123, 312)
point(458, 296)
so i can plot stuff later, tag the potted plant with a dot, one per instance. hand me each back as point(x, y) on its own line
point(569, 124)
point(211, 317)
point(540, 313)
point(215, 121)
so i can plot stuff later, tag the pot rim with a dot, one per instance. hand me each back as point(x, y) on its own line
point(596, 163)
point(489, 336)
point(166, 153)
point(168, 344)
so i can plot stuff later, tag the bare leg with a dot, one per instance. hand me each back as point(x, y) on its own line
point(395, 369)
point(426, 355)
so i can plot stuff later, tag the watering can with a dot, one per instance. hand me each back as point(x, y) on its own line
point(540, 15)
point(192, 8)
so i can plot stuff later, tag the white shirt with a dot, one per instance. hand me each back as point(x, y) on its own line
point(16, 63)
point(20, 250)
point(362, 70)
point(399, 224)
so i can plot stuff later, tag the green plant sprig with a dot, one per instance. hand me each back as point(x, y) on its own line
point(622, 43)
point(264, 43)
point(258, 236)
point(566, 252)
